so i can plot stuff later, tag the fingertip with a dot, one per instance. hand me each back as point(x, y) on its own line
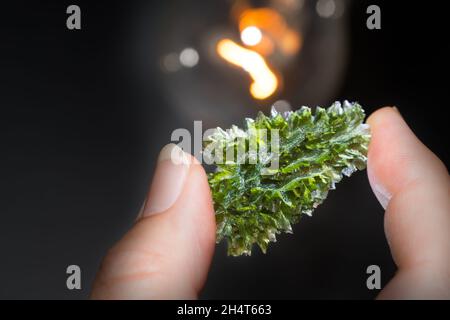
point(378, 116)
point(396, 156)
point(377, 170)
point(196, 202)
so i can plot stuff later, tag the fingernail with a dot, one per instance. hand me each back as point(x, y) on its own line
point(168, 181)
point(396, 109)
point(141, 211)
point(382, 195)
point(381, 192)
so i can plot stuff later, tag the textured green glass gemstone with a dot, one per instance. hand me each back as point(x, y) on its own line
point(282, 166)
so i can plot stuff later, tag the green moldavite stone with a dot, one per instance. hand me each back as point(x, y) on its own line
point(260, 194)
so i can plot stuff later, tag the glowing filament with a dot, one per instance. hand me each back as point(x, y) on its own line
point(265, 82)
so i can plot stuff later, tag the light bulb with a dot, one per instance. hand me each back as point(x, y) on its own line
point(243, 56)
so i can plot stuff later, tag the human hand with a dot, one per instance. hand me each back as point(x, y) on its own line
point(167, 253)
point(413, 185)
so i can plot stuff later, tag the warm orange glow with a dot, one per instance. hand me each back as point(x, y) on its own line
point(265, 82)
point(290, 43)
point(273, 27)
point(263, 18)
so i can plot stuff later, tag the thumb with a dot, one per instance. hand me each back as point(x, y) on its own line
point(413, 185)
point(167, 253)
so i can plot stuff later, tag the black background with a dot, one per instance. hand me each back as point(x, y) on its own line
point(79, 143)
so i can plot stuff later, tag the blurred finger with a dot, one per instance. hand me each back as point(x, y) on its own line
point(168, 252)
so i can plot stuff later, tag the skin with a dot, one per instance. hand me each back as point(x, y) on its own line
point(167, 253)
